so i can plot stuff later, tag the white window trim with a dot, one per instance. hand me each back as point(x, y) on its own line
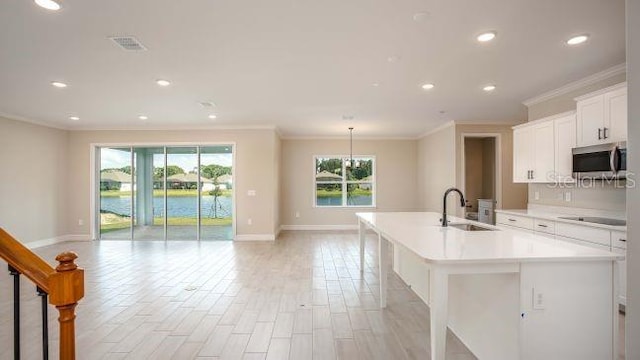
point(344, 183)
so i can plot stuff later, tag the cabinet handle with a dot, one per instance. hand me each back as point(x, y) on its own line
point(604, 133)
point(532, 176)
point(599, 134)
point(513, 220)
point(623, 240)
point(542, 225)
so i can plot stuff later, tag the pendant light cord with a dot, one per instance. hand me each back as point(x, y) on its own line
point(350, 148)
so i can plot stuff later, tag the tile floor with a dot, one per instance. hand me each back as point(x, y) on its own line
point(301, 297)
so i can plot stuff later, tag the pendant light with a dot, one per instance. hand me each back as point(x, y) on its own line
point(350, 161)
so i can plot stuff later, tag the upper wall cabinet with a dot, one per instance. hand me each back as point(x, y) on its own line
point(565, 140)
point(602, 116)
point(542, 150)
point(533, 152)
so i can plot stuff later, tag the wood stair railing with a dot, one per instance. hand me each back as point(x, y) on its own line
point(64, 284)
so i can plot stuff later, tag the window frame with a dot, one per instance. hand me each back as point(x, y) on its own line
point(344, 183)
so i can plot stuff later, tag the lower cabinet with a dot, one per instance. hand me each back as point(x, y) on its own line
point(597, 238)
point(622, 275)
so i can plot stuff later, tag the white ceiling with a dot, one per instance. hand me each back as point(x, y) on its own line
point(297, 64)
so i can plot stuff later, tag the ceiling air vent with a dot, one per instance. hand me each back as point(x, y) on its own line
point(128, 43)
point(207, 104)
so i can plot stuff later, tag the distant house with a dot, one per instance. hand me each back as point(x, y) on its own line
point(327, 176)
point(224, 181)
point(188, 181)
point(368, 185)
point(115, 180)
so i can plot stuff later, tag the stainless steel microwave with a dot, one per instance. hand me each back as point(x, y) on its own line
point(606, 161)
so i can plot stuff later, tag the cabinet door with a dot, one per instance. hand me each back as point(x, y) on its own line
point(522, 154)
point(565, 141)
point(622, 277)
point(543, 153)
point(590, 120)
point(615, 106)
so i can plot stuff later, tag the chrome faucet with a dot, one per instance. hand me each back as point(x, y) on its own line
point(444, 204)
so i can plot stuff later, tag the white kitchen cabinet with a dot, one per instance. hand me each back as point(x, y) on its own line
point(602, 116)
point(522, 154)
point(619, 246)
point(584, 233)
point(615, 108)
point(565, 141)
point(598, 238)
point(533, 152)
point(521, 222)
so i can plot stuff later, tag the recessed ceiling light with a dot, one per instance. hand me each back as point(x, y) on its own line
point(59, 84)
point(488, 36)
point(393, 59)
point(375, 84)
point(74, 118)
point(212, 116)
point(163, 82)
point(577, 39)
point(428, 86)
point(489, 88)
point(143, 117)
point(48, 4)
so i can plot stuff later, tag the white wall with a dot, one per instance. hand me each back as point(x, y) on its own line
point(437, 168)
point(633, 195)
point(396, 179)
point(33, 180)
point(255, 169)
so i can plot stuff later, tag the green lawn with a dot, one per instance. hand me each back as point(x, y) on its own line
point(159, 193)
point(112, 222)
point(337, 193)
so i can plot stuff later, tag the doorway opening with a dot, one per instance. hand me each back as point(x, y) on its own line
point(481, 176)
point(164, 192)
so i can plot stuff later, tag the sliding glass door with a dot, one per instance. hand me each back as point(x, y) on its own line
point(148, 219)
point(216, 197)
point(166, 193)
point(182, 193)
point(116, 201)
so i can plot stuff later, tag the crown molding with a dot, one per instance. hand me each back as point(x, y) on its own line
point(545, 119)
point(592, 79)
point(345, 137)
point(31, 121)
point(175, 127)
point(436, 129)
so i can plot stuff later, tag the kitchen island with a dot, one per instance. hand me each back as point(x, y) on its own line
point(559, 298)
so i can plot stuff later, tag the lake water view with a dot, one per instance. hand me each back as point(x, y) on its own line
point(185, 206)
point(178, 206)
point(357, 200)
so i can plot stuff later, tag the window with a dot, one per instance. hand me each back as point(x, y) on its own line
point(339, 183)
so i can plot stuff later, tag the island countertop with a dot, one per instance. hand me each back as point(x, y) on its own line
point(421, 233)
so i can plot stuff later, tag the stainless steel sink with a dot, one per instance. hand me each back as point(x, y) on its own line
point(597, 220)
point(470, 227)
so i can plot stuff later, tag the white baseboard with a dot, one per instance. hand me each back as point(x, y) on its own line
point(57, 240)
point(255, 237)
point(319, 227)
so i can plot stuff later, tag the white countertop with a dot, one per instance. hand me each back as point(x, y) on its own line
point(421, 233)
point(541, 214)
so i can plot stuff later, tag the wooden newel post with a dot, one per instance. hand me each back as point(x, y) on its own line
point(66, 288)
